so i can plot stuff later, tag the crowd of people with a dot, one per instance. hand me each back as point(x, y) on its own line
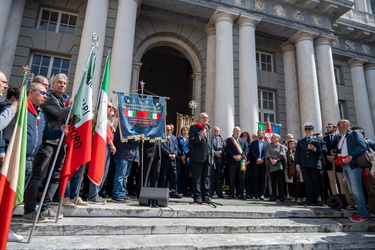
point(199, 163)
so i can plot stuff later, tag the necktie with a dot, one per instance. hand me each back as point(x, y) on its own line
point(331, 138)
point(308, 140)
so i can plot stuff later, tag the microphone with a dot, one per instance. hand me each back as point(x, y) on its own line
point(316, 134)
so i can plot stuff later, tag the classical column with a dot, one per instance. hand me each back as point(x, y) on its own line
point(95, 21)
point(307, 79)
point(12, 32)
point(293, 119)
point(370, 82)
point(248, 84)
point(210, 73)
point(6, 6)
point(123, 46)
point(361, 101)
point(224, 82)
point(327, 84)
point(135, 82)
point(197, 85)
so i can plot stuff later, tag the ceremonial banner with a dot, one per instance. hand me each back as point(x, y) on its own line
point(140, 115)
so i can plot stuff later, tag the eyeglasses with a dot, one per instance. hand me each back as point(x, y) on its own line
point(308, 129)
point(110, 107)
point(42, 93)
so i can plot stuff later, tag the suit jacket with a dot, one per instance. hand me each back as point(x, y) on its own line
point(305, 157)
point(201, 149)
point(330, 145)
point(231, 150)
point(221, 148)
point(254, 151)
point(167, 149)
point(360, 145)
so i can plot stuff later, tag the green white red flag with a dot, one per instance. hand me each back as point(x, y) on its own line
point(99, 146)
point(12, 174)
point(79, 138)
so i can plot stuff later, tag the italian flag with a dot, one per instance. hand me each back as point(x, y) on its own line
point(99, 147)
point(140, 114)
point(79, 139)
point(130, 113)
point(12, 174)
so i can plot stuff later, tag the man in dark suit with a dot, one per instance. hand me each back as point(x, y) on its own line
point(257, 153)
point(307, 161)
point(201, 157)
point(151, 163)
point(236, 150)
point(218, 166)
point(168, 170)
point(351, 145)
point(331, 139)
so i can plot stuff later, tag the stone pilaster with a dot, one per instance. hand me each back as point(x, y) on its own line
point(293, 119)
point(6, 6)
point(248, 84)
point(328, 91)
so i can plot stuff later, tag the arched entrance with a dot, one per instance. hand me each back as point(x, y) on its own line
point(166, 53)
point(167, 72)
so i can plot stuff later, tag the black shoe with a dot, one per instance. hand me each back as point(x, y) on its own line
point(220, 196)
point(118, 199)
point(198, 200)
point(282, 200)
point(207, 200)
point(272, 199)
point(176, 196)
point(186, 195)
point(242, 197)
point(261, 198)
point(231, 196)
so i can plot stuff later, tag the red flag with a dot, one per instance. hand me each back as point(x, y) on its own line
point(79, 138)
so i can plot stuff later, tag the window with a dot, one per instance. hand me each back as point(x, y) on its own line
point(341, 109)
point(266, 101)
point(337, 75)
point(372, 7)
point(48, 66)
point(264, 61)
point(57, 21)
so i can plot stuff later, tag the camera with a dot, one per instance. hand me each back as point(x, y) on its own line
point(336, 150)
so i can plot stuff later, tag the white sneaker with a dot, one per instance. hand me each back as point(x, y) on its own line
point(49, 213)
point(12, 237)
point(68, 203)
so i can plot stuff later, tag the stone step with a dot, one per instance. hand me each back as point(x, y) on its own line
point(281, 241)
point(162, 226)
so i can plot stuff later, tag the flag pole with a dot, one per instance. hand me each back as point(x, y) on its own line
point(93, 46)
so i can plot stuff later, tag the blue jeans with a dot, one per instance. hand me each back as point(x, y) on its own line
point(72, 185)
point(123, 168)
point(93, 188)
point(28, 171)
point(354, 179)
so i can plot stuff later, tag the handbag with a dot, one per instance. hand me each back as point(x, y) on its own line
point(273, 168)
point(365, 159)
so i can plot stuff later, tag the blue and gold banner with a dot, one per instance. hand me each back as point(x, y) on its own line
point(140, 115)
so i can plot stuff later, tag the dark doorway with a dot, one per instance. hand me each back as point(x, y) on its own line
point(167, 72)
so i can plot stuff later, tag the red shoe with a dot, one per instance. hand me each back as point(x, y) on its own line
point(358, 219)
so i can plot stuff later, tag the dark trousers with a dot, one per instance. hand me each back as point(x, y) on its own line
point(236, 174)
point(216, 182)
point(41, 167)
point(258, 179)
point(248, 181)
point(151, 171)
point(201, 179)
point(277, 184)
point(312, 179)
point(184, 177)
point(168, 177)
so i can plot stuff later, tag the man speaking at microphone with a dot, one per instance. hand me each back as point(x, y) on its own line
point(201, 156)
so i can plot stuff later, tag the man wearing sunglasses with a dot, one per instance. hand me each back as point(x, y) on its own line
point(56, 111)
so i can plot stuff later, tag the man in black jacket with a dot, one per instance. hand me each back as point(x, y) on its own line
point(201, 157)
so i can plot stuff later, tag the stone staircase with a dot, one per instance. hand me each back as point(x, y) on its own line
point(237, 224)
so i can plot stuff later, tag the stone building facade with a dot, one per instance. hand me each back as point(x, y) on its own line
point(242, 61)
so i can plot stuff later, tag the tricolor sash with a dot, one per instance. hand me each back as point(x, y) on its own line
point(240, 150)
